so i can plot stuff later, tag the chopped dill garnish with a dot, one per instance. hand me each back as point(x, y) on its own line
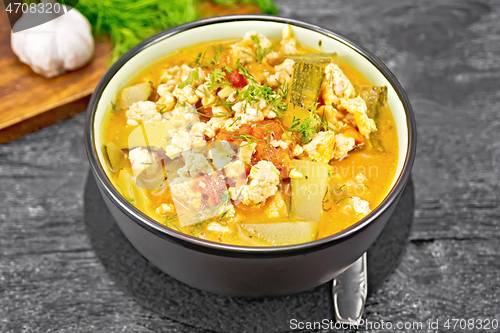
point(305, 128)
point(216, 79)
point(222, 215)
point(288, 205)
point(333, 195)
point(242, 136)
point(225, 197)
point(243, 71)
point(235, 120)
point(114, 106)
point(260, 53)
point(193, 76)
point(162, 110)
point(129, 22)
point(218, 51)
point(198, 61)
point(169, 222)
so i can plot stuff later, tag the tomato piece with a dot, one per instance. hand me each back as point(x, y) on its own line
point(211, 188)
point(267, 129)
point(238, 80)
point(352, 133)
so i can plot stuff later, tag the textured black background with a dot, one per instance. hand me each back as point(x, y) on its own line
point(446, 55)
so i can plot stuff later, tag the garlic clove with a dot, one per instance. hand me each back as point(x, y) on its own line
point(52, 48)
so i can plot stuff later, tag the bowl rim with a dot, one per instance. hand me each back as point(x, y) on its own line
point(228, 250)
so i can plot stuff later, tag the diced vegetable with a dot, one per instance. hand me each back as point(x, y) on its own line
point(306, 84)
point(250, 239)
point(136, 93)
point(283, 233)
point(375, 97)
point(353, 133)
point(150, 135)
point(308, 193)
point(304, 91)
point(114, 156)
point(374, 141)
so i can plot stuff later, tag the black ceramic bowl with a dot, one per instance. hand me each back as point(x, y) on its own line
point(237, 270)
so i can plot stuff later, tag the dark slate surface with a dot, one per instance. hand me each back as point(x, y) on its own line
point(447, 56)
point(172, 299)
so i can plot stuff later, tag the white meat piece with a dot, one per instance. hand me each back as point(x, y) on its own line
point(360, 206)
point(225, 92)
point(165, 209)
point(297, 150)
point(336, 85)
point(216, 227)
point(214, 124)
point(181, 141)
point(174, 75)
point(142, 112)
point(357, 107)
point(277, 207)
point(279, 143)
point(247, 113)
point(182, 191)
point(235, 170)
point(167, 99)
point(282, 73)
point(343, 146)
point(219, 110)
point(221, 154)
point(180, 118)
point(197, 134)
point(288, 42)
point(294, 174)
point(244, 49)
point(246, 151)
point(321, 147)
point(195, 165)
point(264, 180)
point(360, 178)
point(140, 158)
point(186, 94)
point(206, 95)
point(333, 116)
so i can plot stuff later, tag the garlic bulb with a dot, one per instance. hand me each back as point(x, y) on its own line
point(62, 44)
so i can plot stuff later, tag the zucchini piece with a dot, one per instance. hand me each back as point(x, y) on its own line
point(375, 97)
point(320, 59)
point(304, 91)
point(114, 156)
point(136, 93)
point(150, 135)
point(374, 142)
point(306, 84)
point(283, 233)
point(308, 193)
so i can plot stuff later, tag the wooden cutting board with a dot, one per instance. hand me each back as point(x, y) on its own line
point(29, 102)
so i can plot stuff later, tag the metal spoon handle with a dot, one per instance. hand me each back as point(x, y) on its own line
point(349, 292)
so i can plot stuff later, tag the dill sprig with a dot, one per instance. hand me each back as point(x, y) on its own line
point(193, 76)
point(216, 79)
point(260, 52)
point(305, 128)
point(127, 23)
